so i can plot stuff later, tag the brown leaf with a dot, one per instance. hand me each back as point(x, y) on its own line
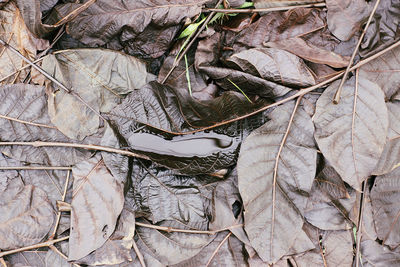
point(377, 255)
point(14, 32)
point(273, 198)
point(26, 213)
point(97, 201)
point(310, 52)
point(352, 134)
point(101, 78)
point(281, 3)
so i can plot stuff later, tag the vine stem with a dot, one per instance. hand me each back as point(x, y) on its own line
point(38, 245)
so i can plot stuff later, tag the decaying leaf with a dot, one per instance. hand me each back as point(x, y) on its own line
point(26, 213)
point(171, 248)
point(352, 134)
point(384, 195)
point(24, 118)
point(100, 77)
point(14, 32)
point(274, 183)
point(97, 201)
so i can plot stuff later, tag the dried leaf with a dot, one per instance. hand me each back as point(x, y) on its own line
point(281, 3)
point(27, 214)
point(273, 203)
point(97, 201)
point(310, 52)
point(100, 77)
point(384, 199)
point(345, 17)
point(376, 255)
point(171, 248)
point(273, 64)
point(14, 32)
point(351, 135)
point(229, 254)
point(27, 259)
point(27, 103)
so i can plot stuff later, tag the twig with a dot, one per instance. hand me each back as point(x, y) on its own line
point(53, 234)
point(170, 229)
point(216, 250)
point(176, 62)
point(138, 254)
point(339, 90)
point(257, 10)
point(35, 168)
point(3, 262)
point(51, 78)
point(27, 122)
point(39, 245)
point(321, 251)
point(74, 145)
point(74, 13)
point(360, 219)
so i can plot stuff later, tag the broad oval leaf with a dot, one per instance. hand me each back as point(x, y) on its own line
point(26, 214)
point(273, 64)
point(97, 201)
point(24, 118)
point(385, 207)
point(273, 202)
point(100, 77)
point(352, 134)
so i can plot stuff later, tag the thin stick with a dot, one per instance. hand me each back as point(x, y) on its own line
point(257, 10)
point(138, 254)
point(360, 219)
point(170, 229)
point(39, 245)
point(3, 262)
point(216, 250)
point(176, 62)
point(74, 13)
point(339, 90)
point(35, 168)
point(51, 78)
point(27, 122)
point(74, 145)
point(53, 234)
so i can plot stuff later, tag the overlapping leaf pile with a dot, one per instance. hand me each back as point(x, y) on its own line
point(227, 163)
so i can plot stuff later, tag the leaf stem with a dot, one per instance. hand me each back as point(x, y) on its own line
point(346, 73)
point(170, 229)
point(257, 10)
point(360, 219)
point(38, 245)
point(138, 253)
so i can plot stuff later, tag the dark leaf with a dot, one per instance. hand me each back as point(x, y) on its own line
point(345, 17)
point(228, 255)
point(274, 197)
point(171, 248)
point(15, 33)
point(384, 199)
point(100, 77)
point(352, 134)
point(144, 28)
point(26, 213)
point(27, 103)
point(97, 201)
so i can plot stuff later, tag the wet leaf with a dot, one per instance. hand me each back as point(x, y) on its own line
point(27, 103)
point(229, 254)
point(14, 32)
point(384, 199)
point(27, 215)
point(273, 64)
point(97, 201)
point(171, 248)
point(310, 52)
point(272, 203)
point(345, 17)
point(144, 28)
point(100, 77)
point(351, 135)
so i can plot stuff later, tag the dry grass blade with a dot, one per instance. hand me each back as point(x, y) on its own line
point(346, 73)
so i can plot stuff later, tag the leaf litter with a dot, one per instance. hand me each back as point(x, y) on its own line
point(199, 133)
